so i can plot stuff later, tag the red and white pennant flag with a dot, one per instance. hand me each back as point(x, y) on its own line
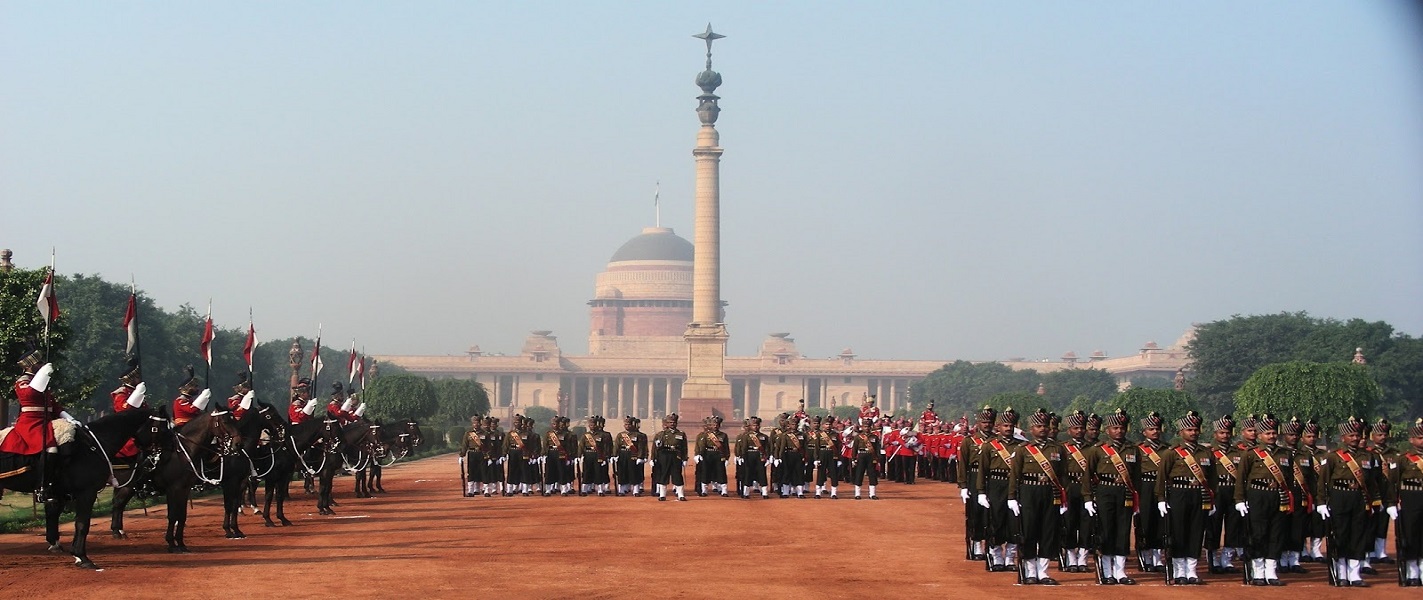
point(205, 347)
point(351, 365)
point(131, 323)
point(250, 345)
point(47, 302)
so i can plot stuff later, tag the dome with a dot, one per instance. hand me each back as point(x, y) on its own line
point(655, 243)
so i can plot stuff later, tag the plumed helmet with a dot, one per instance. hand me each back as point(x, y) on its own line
point(191, 385)
point(1008, 416)
point(1352, 425)
point(1311, 427)
point(336, 388)
point(302, 384)
point(1094, 420)
point(1225, 423)
point(32, 358)
point(1055, 420)
point(1152, 420)
point(1119, 418)
point(1251, 422)
point(1267, 422)
point(1076, 419)
point(1039, 417)
point(132, 374)
point(1192, 420)
point(988, 414)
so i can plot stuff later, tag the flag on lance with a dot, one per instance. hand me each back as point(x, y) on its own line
point(316, 355)
point(131, 323)
point(47, 302)
point(250, 345)
point(361, 370)
point(351, 365)
point(205, 347)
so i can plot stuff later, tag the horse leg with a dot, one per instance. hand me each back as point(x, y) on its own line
point(283, 490)
point(116, 513)
point(325, 492)
point(177, 518)
point(375, 475)
point(236, 509)
point(267, 491)
point(52, 511)
point(83, 514)
point(250, 484)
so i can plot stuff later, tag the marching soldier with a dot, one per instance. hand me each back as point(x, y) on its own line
point(629, 454)
point(1388, 459)
point(559, 447)
point(1185, 487)
point(1092, 429)
point(1348, 495)
point(1315, 527)
point(1302, 475)
point(1035, 490)
point(1109, 494)
point(866, 447)
point(493, 452)
point(470, 461)
point(995, 458)
point(1224, 523)
point(1148, 522)
point(752, 451)
point(1407, 512)
point(968, 466)
point(712, 448)
point(1264, 498)
point(789, 449)
point(822, 446)
point(1074, 540)
point(594, 450)
point(517, 455)
point(671, 457)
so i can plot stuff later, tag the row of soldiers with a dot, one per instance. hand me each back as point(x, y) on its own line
point(815, 453)
point(1274, 498)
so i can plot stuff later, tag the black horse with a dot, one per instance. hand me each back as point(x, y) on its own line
point(193, 451)
point(239, 468)
point(344, 448)
point(395, 444)
point(289, 451)
point(82, 474)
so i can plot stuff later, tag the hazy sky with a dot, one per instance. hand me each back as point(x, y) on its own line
point(915, 180)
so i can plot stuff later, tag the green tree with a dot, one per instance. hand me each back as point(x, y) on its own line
point(1329, 392)
point(963, 387)
point(1023, 403)
point(1153, 382)
point(846, 413)
point(541, 416)
point(459, 400)
point(1137, 402)
point(1065, 387)
point(20, 321)
point(397, 397)
point(1225, 353)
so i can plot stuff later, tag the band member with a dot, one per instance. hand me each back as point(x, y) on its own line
point(995, 458)
point(1035, 491)
point(752, 449)
point(968, 465)
point(1109, 494)
point(1074, 540)
point(712, 448)
point(868, 410)
point(470, 461)
point(1185, 496)
point(671, 458)
point(1407, 512)
point(822, 446)
point(1149, 522)
point(1264, 498)
point(192, 399)
point(866, 447)
point(902, 447)
point(594, 450)
point(1348, 495)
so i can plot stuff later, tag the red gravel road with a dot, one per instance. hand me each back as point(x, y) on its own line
point(424, 540)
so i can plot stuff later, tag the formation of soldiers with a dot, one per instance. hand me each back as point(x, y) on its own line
point(801, 457)
point(1274, 498)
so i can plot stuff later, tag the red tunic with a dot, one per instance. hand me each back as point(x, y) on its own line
point(32, 432)
point(869, 412)
point(234, 404)
point(928, 418)
point(184, 411)
point(295, 413)
point(120, 396)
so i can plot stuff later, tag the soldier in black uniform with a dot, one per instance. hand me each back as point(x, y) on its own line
point(1388, 460)
point(823, 450)
point(1149, 523)
point(470, 460)
point(493, 452)
point(1349, 494)
point(865, 447)
point(1315, 530)
point(559, 448)
point(789, 450)
point(670, 458)
point(1109, 494)
point(752, 450)
point(967, 476)
point(1302, 476)
point(995, 457)
point(1407, 512)
point(1264, 498)
point(713, 447)
point(1035, 491)
point(595, 448)
point(1074, 542)
point(516, 456)
point(1185, 497)
point(628, 457)
point(1224, 523)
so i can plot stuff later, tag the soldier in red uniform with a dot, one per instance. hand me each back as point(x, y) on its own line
point(334, 408)
point(128, 396)
point(301, 408)
point(32, 433)
point(190, 403)
point(868, 410)
point(242, 395)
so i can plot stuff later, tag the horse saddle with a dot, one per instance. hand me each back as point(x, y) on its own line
point(63, 431)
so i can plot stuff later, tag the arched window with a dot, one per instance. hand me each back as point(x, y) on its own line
point(538, 397)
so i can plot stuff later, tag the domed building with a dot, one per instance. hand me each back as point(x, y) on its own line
point(642, 302)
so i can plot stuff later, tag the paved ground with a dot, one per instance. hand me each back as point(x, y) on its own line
point(424, 540)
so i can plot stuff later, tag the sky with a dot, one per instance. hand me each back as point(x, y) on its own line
point(927, 180)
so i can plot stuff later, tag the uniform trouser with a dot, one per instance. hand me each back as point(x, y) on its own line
point(1296, 526)
point(594, 473)
point(1148, 521)
point(667, 469)
point(474, 468)
point(1186, 522)
point(1353, 525)
point(865, 465)
point(906, 470)
point(1409, 526)
point(1073, 521)
point(493, 473)
point(628, 471)
point(1113, 526)
point(712, 469)
point(973, 513)
point(999, 528)
point(1265, 524)
point(792, 471)
point(517, 469)
point(1040, 523)
point(1225, 523)
point(753, 469)
point(951, 469)
point(553, 470)
point(828, 469)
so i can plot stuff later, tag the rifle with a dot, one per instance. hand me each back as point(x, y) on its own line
point(1331, 554)
point(1018, 560)
point(1247, 562)
point(1402, 549)
point(1166, 550)
point(464, 479)
point(1093, 537)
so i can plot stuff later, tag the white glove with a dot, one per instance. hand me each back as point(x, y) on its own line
point(1015, 507)
point(1242, 508)
point(1392, 512)
point(776, 462)
point(533, 461)
point(602, 463)
point(1091, 507)
point(461, 461)
point(543, 460)
point(202, 402)
point(1212, 512)
point(64, 414)
point(963, 495)
point(578, 461)
point(697, 459)
point(503, 459)
point(1062, 510)
point(983, 500)
point(310, 408)
point(614, 459)
point(1323, 510)
point(839, 464)
point(361, 410)
point(489, 463)
point(247, 400)
point(1162, 508)
point(136, 398)
point(684, 464)
point(640, 461)
point(817, 463)
point(740, 461)
point(40, 382)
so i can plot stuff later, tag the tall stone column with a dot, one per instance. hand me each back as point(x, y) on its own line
point(706, 391)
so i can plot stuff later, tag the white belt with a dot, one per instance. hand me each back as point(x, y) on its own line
point(33, 409)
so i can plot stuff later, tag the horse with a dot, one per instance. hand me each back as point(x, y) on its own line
point(289, 449)
point(397, 444)
point(239, 468)
point(82, 474)
point(206, 440)
point(343, 447)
